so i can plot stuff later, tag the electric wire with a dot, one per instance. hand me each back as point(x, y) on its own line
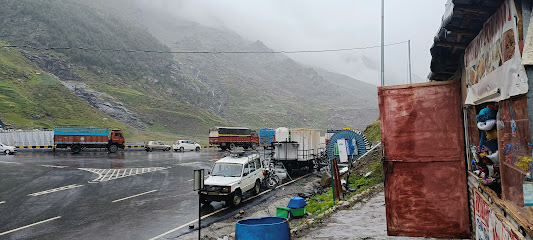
point(192, 52)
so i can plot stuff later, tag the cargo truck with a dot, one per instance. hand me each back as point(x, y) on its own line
point(77, 138)
point(232, 137)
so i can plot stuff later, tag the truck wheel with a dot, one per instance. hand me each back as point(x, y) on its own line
point(236, 198)
point(76, 148)
point(254, 146)
point(112, 148)
point(232, 146)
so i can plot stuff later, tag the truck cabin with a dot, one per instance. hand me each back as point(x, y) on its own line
point(117, 136)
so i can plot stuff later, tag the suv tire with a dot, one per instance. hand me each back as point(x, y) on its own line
point(182, 149)
point(236, 198)
point(205, 201)
point(257, 187)
point(7, 151)
point(197, 149)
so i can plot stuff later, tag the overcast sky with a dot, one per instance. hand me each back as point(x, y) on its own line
point(321, 24)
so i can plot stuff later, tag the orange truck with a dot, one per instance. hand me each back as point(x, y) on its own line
point(77, 138)
point(232, 137)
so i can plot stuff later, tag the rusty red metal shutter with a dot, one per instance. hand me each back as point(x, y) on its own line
point(425, 178)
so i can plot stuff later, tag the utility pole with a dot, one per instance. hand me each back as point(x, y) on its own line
point(382, 43)
point(409, 53)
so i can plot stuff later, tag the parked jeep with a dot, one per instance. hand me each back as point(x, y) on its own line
point(232, 176)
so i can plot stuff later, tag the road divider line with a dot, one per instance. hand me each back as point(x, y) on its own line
point(222, 209)
point(55, 190)
point(10, 162)
point(136, 195)
point(2, 202)
point(31, 225)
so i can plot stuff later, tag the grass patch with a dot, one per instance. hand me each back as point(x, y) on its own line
point(322, 202)
point(373, 131)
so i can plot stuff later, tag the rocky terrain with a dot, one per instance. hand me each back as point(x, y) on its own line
point(154, 92)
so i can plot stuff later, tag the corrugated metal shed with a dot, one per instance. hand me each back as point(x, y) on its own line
point(460, 25)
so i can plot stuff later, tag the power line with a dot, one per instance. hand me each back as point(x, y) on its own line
point(192, 52)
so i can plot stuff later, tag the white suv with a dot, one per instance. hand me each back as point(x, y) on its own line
point(7, 149)
point(182, 145)
point(231, 176)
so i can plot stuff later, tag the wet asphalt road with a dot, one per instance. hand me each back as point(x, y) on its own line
point(96, 195)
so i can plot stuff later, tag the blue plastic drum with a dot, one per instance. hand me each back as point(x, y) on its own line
point(264, 228)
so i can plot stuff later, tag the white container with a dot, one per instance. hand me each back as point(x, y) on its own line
point(28, 138)
point(282, 134)
point(308, 142)
point(285, 151)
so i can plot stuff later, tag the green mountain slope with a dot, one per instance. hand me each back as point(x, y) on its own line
point(183, 94)
point(144, 90)
point(31, 98)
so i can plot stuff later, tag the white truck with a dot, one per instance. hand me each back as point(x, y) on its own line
point(232, 176)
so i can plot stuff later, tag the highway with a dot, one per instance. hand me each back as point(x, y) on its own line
point(95, 195)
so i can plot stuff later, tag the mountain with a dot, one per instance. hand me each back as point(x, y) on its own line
point(146, 91)
point(271, 89)
point(171, 93)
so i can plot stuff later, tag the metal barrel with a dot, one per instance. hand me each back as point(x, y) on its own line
point(262, 229)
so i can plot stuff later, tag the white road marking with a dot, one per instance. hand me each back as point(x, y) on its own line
point(31, 225)
point(222, 209)
point(53, 166)
point(136, 195)
point(10, 162)
point(55, 190)
point(2, 202)
point(190, 180)
point(112, 174)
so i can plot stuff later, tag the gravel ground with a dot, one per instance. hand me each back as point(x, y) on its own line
point(365, 220)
